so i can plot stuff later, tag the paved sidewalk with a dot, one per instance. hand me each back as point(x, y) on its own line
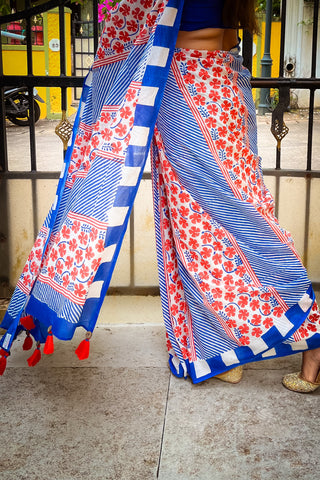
point(121, 415)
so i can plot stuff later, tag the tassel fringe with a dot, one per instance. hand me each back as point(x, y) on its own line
point(49, 345)
point(83, 349)
point(3, 360)
point(27, 322)
point(28, 342)
point(35, 357)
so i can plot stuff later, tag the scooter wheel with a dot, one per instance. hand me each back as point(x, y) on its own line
point(25, 121)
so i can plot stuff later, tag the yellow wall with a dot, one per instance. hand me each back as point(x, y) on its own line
point(45, 62)
point(15, 63)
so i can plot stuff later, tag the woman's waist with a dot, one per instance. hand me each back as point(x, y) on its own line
point(207, 39)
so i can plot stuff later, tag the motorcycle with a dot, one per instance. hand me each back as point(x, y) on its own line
point(17, 105)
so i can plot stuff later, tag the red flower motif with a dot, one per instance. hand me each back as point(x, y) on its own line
point(229, 296)
point(256, 319)
point(193, 243)
point(204, 74)
point(216, 292)
point(243, 314)
point(194, 231)
point(278, 312)
point(106, 134)
point(266, 309)
point(66, 280)
point(69, 262)
point(59, 267)
point(243, 301)
point(268, 322)
point(303, 332)
point(230, 311)
point(132, 26)
point(93, 234)
point(244, 340)
point(79, 290)
point(100, 246)
point(217, 306)
point(84, 271)
point(51, 272)
point(89, 253)
point(217, 273)
point(257, 332)
point(27, 278)
point(189, 78)
point(54, 255)
point(74, 273)
point(211, 122)
point(231, 323)
point(118, 47)
point(73, 245)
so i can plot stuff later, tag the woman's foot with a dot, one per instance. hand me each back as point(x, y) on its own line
point(231, 376)
point(308, 380)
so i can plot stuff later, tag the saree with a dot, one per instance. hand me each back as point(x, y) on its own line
point(233, 288)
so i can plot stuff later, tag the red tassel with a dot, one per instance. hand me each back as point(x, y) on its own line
point(35, 357)
point(49, 346)
point(3, 361)
point(27, 322)
point(83, 349)
point(28, 342)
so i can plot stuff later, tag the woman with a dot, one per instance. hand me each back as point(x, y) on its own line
point(233, 289)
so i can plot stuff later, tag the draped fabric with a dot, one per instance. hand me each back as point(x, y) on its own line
point(68, 271)
point(233, 288)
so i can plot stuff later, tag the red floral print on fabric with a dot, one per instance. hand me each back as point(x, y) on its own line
point(109, 137)
point(214, 262)
point(33, 264)
point(212, 86)
point(73, 257)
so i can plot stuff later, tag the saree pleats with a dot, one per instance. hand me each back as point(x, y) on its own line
point(233, 287)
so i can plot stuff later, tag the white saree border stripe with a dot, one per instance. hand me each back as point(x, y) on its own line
point(95, 289)
point(305, 302)
point(147, 96)
point(283, 325)
point(301, 345)
point(130, 176)
point(175, 363)
point(88, 80)
point(201, 368)
point(108, 253)
point(139, 136)
point(63, 170)
point(168, 17)
point(55, 203)
point(258, 346)
point(269, 353)
point(116, 216)
point(229, 358)
point(158, 56)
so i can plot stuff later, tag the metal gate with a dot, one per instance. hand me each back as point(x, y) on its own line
point(63, 81)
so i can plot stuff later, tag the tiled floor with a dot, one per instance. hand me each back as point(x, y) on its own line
point(120, 415)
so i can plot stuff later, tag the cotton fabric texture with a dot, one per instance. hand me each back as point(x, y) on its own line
point(233, 288)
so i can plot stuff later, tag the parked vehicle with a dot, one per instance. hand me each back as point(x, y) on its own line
point(17, 105)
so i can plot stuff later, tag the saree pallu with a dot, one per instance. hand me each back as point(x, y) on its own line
point(233, 288)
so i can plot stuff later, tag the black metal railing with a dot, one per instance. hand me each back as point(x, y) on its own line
point(64, 81)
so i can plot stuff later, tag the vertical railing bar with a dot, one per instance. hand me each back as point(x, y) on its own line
point(62, 41)
point(95, 26)
point(313, 74)
point(32, 133)
point(314, 38)
point(281, 65)
point(277, 196)
point(131, 233)
point(307, 222)
point(282, 37)
point(3, 130)
point(247, 50)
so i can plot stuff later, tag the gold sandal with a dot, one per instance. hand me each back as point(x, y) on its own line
point(231, 376)
point(296, 383)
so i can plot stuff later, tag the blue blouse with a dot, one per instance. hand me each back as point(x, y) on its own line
point(197, 14)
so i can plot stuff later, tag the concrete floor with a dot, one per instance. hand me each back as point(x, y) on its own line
point(121, 415)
